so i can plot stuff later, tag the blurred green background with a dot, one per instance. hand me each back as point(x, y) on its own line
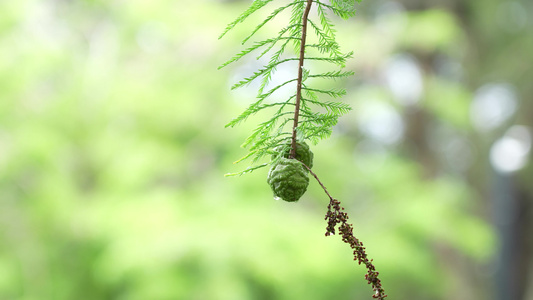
point(113, 151)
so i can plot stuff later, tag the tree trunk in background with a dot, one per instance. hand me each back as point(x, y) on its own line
point(511, 198)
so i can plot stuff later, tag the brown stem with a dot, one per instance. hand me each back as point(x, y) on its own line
point(300, 78)
point(335, 216)
point(318, 180)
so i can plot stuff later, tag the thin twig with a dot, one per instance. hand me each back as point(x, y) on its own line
point(300, 77)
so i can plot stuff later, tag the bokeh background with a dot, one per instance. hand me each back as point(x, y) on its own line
point(113, 151)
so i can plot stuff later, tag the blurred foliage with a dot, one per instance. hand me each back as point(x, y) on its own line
point(113, 150)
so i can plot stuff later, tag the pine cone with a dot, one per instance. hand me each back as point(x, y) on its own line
point(288, 179)
point(303, 153)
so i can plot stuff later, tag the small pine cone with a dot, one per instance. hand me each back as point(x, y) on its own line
point(303, 153)
point(288, 179)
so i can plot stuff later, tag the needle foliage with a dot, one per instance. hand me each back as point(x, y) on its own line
point(317, 111)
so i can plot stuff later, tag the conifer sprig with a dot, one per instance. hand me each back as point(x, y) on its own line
point(307, 117)
point(312, 118)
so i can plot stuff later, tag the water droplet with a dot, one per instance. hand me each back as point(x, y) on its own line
point(277, 198)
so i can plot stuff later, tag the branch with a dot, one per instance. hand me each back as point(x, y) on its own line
point(300, 77)
point(336, 215)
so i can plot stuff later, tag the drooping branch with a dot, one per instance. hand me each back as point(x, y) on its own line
point(269, 135)
point(300, 77)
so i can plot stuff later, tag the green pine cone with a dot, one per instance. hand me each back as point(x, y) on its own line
point(288, 179)
point(303, 153)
